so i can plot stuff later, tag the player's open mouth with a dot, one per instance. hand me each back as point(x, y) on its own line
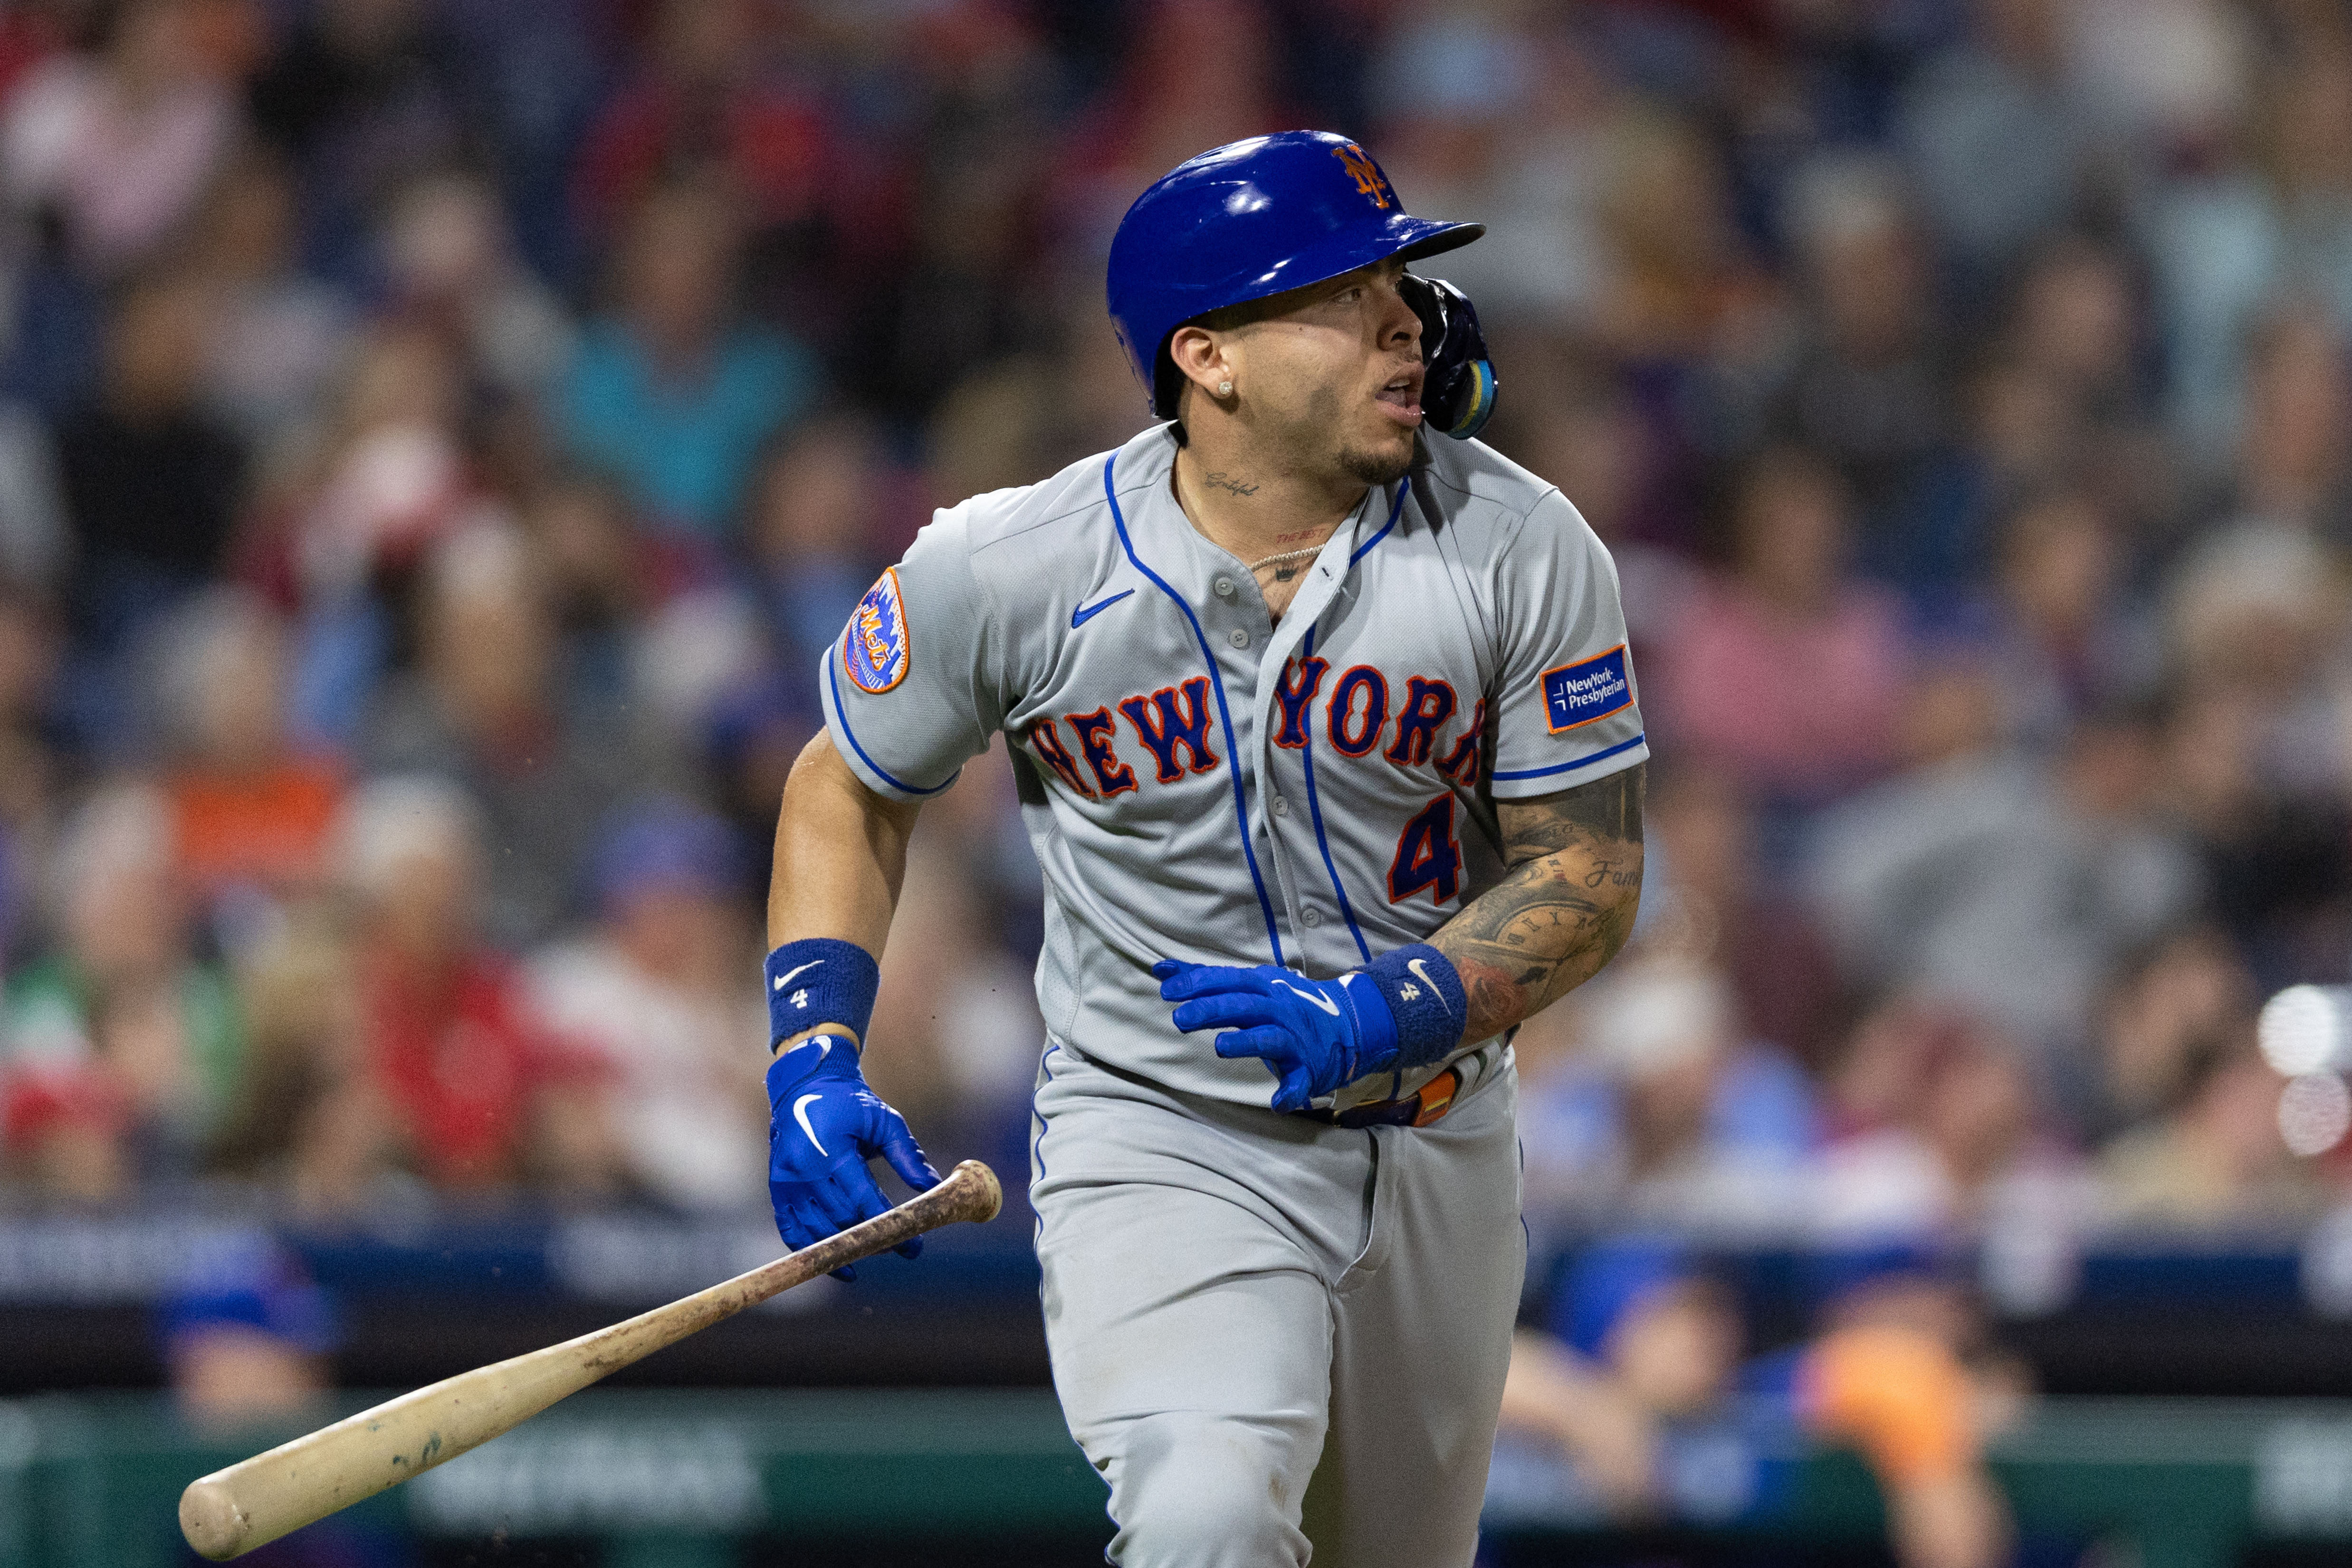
point(1402, 398)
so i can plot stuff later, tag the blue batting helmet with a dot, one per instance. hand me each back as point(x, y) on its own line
point(1250, 219)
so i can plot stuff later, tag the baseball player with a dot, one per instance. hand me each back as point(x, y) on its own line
point(1326, 739)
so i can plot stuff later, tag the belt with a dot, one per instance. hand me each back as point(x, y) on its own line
point(1422, 1107)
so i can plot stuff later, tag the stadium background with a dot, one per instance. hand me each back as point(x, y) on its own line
point(438, 437)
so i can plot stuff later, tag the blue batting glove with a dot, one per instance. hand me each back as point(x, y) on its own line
point(823, 1125)
point(1313, 1034)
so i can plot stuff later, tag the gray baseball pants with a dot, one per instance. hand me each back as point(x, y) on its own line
point(1277, 1338)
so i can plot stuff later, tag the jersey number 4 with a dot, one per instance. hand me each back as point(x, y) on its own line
point(1426, 856)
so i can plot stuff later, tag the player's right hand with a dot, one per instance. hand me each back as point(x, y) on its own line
point(823, 1125)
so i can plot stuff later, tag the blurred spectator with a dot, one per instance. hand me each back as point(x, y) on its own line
point(2213, 1156)
point(970, 294)
point(2238, 236)
point(2292, 470)
point(313, 1123)
point(279, 335)
point(1781, 669)
point(1493, 112)
point(1666, 1116)
point(1192, 75)
point(482, 1093)
point(996, 428)
point(1996, 135)
point(1586, 434)
point(711, 91)
point(389, 479)
point(1636, 1387)
point(251, 812)
point(121, 143)
point(29, 766)
point(600, 578)
point(151, 484)
point(361, 94)
point(2255, 616)
point(673, 392)
point(448, 259)
point(2004, 881)
point(1867, 385)
point(485, 707)
point(2076, 321)
point(817, 504)
point(1713, 898)
point(34, 541)
point(2172, 1008)
point(246, 1335)
point(1678, 286)
point(2061, 644)
point(121, 1051)
point(664, 989)
point(1937, 1123)
point(756, 732)
point(2075, 369)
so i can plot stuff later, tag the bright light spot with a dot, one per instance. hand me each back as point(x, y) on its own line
point(2301, 1030)
point(2314, 1111)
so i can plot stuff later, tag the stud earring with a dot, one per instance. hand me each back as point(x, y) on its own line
point(1225, 389)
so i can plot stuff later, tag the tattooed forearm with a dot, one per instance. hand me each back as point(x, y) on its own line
point(1564, 910)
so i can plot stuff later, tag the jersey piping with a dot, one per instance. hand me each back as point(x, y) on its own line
point(842, 712)
point(1395, 511)
point(1572, 767)
point(1224, 716)
point(1315, 811)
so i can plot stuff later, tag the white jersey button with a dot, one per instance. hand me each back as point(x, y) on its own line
point(1238, 637)
point(1281, 806)
point(1224, 587)
point(1312, 917)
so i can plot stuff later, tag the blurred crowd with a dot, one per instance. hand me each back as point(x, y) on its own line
point(437, 438)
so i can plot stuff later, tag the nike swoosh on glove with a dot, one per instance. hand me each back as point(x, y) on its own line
point(823, 1125)
point(1313, 1034)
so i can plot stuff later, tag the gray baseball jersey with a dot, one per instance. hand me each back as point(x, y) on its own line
point(1201, 783)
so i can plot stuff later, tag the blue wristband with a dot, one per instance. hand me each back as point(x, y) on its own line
point(820, 981)
point(1425, 994)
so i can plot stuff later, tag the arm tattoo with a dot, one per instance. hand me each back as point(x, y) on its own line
point(1564, 909)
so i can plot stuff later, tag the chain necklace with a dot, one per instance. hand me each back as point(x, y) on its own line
point(1284, 555)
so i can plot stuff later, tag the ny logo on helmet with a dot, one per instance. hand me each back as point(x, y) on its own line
point(1367, 173)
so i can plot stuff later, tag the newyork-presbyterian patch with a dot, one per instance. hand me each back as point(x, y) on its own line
point(1580, 693)
point(874, 647)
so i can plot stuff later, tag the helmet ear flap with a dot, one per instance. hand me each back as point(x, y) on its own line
point(1458, 393)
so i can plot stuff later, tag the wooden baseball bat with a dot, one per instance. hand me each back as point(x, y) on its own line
point(257, 1501)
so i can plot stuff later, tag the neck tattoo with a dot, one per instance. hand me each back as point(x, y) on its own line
point(1226, 482)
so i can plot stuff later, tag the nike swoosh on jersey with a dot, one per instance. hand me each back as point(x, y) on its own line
point(1415, 965)
point(1329, 1006)
point(786, 978)
point(799, 1114)
point(1086, 613)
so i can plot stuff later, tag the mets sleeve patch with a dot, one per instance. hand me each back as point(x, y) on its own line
point(1579, 694)
point(874, 646)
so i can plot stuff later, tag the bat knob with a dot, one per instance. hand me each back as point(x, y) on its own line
point(985, 1197)
point(211, 1519)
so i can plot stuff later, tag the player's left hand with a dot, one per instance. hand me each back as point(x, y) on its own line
point(823, 1125)
point(1313, 1034)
